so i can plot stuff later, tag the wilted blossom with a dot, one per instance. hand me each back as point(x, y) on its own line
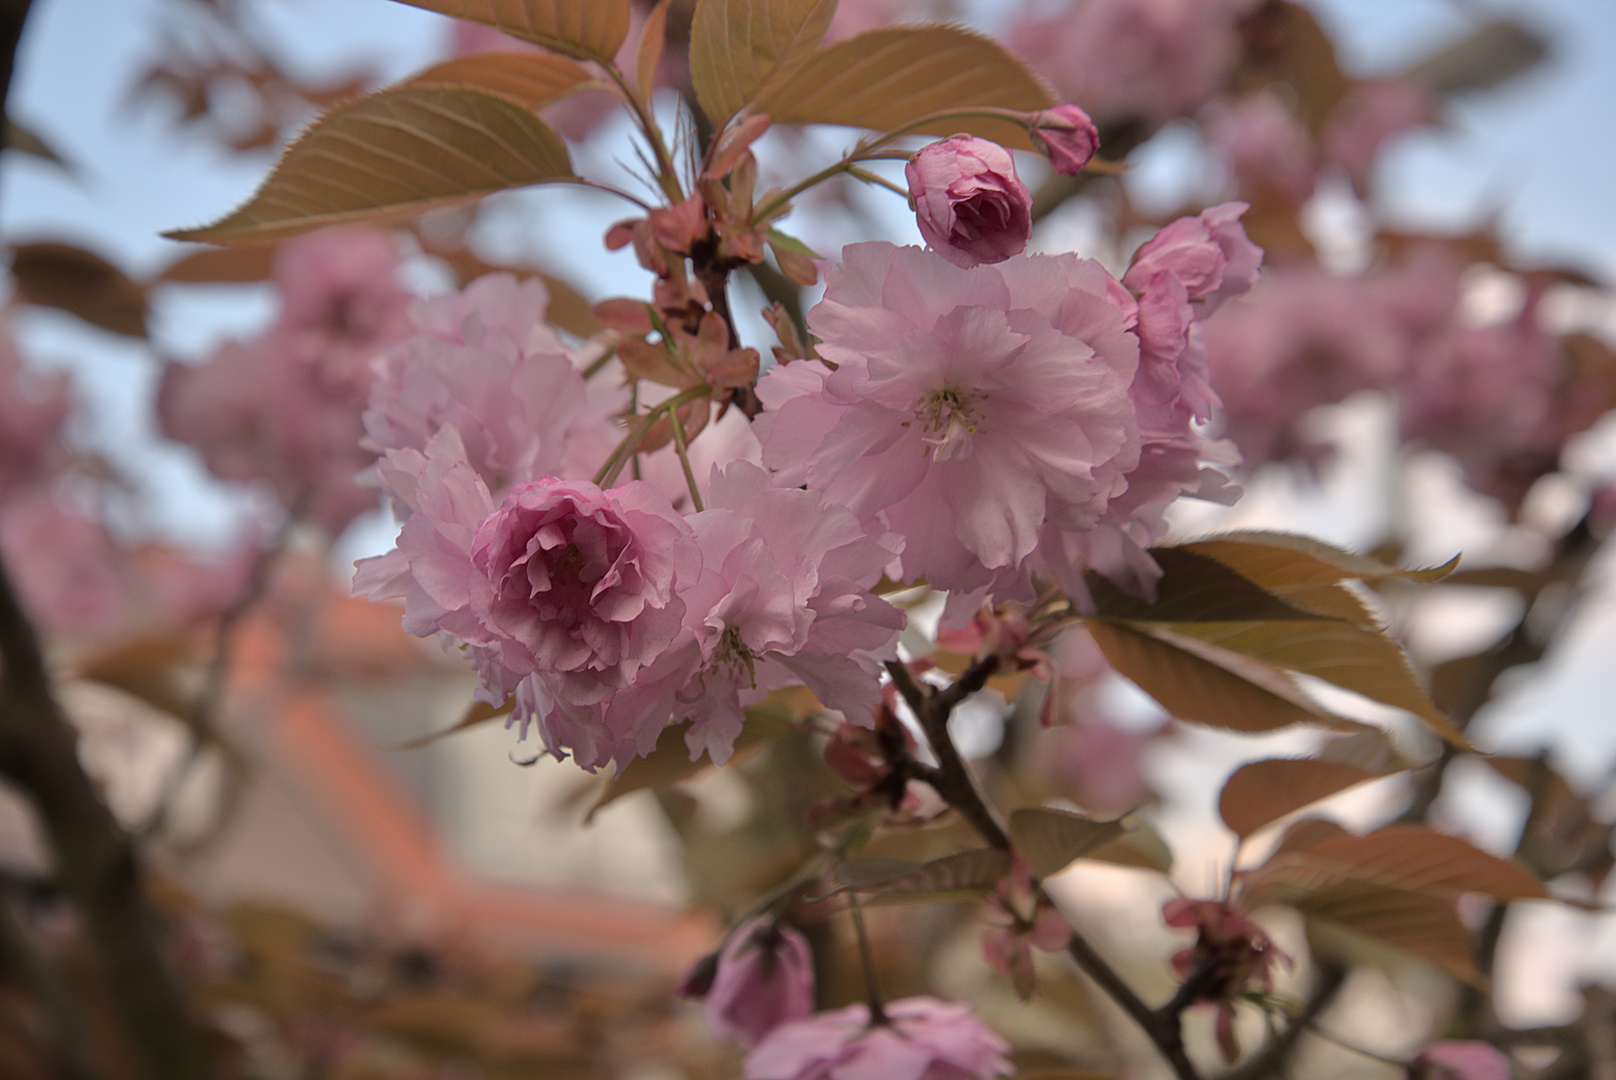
point(1232, 953)
point(1067, 136)
point(971, 206)
point(32, 410)
point(1460, 1061)
point(485, 361)
point(764, 978)
point(969, 408)
point(1143, 60)
point(782, 598)
point(562, 581)
point(341, 303)
point(922, 1039)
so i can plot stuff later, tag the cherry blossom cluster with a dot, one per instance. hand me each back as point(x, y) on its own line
point(979, 419)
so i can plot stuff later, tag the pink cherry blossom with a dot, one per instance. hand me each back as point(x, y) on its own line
point(922, 1039)
point(33, 408)
point(342, 303)
point(969, 203)
point(485, 361)
point(765, 978)
point(562, 581)
point(969, 409)
point(782, 599)
point(1067, 137)
point(1209, 253)
point(1460, 1061)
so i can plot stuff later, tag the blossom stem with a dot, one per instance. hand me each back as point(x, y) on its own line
point(953, 782)
point(667, 177)
point(613, 467)
point(878, 1013)
point(683, 447)
point(871, 178)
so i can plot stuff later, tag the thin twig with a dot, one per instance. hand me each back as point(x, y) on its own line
point(954, 783)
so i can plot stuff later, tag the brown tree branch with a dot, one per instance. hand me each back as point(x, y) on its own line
point(954, 783)
point(95, 861)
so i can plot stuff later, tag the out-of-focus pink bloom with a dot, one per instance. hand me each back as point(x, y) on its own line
point(765, 978)
point(485, 361)
point(1266, 147)
point(969, 407)
point(32, 410)
point(923, 1039)
point(1067, 136)
point(1145, 60)
point(1306, 338)
point(563, 581)
point(783, 598)
point(68, 575)
point(1488, 397)
point(1099, 763)
point(255, 415)
point(856, 16)
point(342, 304)
point(1209, 253)
point(1371, 114)
point(971, 206)
point(1460, 1061)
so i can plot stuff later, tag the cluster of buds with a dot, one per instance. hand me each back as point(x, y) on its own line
point(1232, 956)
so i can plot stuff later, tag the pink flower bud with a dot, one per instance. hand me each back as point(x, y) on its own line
point(1460, 1061)
point(971, 206)
point(1067, 137)
point(765, 978)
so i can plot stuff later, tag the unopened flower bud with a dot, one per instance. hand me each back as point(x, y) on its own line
point(971, 206)
point(1067, 137)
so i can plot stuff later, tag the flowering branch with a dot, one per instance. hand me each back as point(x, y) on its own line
point(953, 782)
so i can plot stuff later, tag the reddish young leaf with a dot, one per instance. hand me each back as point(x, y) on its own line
point(534, 79)
point(1049, 839)
point(392, 155)
point(586, 29)
point(892, 77)
point(739, 48)
point(653, 38)
point(1407, 857)
point(80, 283)
point(1417, 923)
point(1205, 684)
point(1259, 793)
point(476, 714)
